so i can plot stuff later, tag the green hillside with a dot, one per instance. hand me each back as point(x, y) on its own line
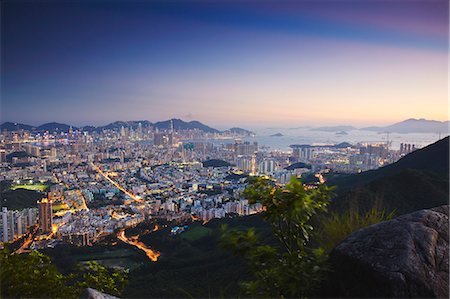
point(193, 264)
point(417, 181)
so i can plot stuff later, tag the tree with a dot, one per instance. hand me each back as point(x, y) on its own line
point(34, 276)
point(31, 276)
point(292, 268)
point(93, 275)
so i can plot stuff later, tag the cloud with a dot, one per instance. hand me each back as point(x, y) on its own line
point(189, 116)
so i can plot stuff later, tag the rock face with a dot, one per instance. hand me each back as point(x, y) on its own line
point(90, 293)
point(404, 257)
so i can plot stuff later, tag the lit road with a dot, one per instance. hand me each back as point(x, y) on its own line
point(320, 177)
point(84, 205)
point(151, 254)
point(132, 196)
point(28, 240)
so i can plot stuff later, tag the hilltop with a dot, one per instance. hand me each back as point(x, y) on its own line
point(413, 125)
point(417, 181)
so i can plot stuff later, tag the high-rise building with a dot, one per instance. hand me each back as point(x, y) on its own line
point(2, 155)
point(45, 215)
point(170, 136)
point(159, 139)
point(5, 224)
point(139, 131)
point(15, 223)
point(246, 148)
point(302, 153)
point(267, 166)
point(53, 152)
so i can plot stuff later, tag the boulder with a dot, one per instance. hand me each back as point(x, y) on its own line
point(90, 293)
point(405, 257)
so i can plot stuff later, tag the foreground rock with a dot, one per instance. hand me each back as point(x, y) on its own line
point(90, 293)
point(404, 257)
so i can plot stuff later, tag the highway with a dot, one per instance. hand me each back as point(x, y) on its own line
point(131, 195)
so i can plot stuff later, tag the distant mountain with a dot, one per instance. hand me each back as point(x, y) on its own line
point(277, 135)
point(9, 126)
point(117, 125)
point(333, 129)
point(88, 128)
point(240, 131)
point(54, 127)
point(417, 181)
point(179, 124)
point(342, 145)
point(413, 125)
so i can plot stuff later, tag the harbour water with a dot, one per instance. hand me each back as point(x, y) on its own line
point(308, 136)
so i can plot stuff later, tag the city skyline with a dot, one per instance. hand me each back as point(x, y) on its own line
point(225, 64)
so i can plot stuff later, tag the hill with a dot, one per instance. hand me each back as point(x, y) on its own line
point(240, 131)
point(19, 154)
point(9, 126)
point(193, 264)
point(117, 125)
point(19, 199)
point(342, 145)
point(413, 125)
point(298, 165)
point(179, 124)
point(54, 127)
point(417, 181)
point(216, 163)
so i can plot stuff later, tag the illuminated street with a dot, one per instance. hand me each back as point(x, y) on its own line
point(151, 254)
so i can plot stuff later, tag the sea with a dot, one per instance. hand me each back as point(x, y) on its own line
point(307, 136)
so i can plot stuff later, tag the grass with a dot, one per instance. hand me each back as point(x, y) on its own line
point(108, 254)
point(195, 233)
point(337, 227)
point(111, 258)
point(32, 187)
point(60, 207)
point(124, 263)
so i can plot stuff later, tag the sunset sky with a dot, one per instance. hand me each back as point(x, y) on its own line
point(225, 63)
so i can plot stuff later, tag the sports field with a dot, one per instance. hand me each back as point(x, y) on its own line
point(33, 187)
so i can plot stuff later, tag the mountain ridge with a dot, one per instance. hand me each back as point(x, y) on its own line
point(413, 125)
point(178, 124)
point(417, 181)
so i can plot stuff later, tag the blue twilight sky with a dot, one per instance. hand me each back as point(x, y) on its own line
point(225, 63)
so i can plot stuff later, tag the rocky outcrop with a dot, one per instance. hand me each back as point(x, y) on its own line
point(405, 257)
point(90, 293)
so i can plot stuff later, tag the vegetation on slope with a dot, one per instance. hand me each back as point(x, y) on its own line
point(35, 276)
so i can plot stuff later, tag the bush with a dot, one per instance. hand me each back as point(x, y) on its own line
point(336, 227)
point(293, 267)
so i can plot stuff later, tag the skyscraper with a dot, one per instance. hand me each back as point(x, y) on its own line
point(5, 224)
point(45, 215)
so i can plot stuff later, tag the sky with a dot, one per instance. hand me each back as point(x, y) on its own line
point(224, 63)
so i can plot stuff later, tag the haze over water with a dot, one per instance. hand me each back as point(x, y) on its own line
point(306, 136)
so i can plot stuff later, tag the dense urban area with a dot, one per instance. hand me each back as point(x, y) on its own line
point(100, 182)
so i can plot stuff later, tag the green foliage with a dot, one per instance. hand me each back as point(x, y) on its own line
point(338, 226)
point(93, 275)
point(31, 276)
point(34, 276)
point(293, 268)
